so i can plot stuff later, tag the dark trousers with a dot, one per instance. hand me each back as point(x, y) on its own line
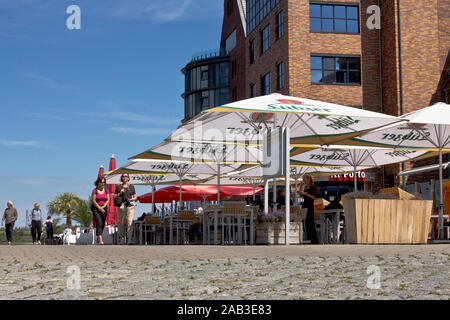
point(36, 228)
point(49, 233)
point(100, 219)
point(9, 231)
point(311, 233)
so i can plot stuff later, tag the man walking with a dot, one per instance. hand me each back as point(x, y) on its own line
point(36, 223)
point(9, 217)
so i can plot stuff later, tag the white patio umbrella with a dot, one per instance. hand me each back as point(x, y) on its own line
point(181, 169)
point(356, 157)
point(427, 128)
point(220, 158)
point(309, 121)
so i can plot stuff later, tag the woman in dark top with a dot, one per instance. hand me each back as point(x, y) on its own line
point(309, 195)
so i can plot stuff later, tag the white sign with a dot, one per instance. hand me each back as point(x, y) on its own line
point(274, 153)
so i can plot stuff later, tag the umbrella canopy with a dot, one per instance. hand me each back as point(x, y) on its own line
point(310, 121)
point(427, 128)
point(145, 178)
point(355, 157)
point(145, 171)
point(206, 154)
point(211, 153)
point(112, 215)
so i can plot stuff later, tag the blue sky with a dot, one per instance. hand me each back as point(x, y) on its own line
point(70, 99)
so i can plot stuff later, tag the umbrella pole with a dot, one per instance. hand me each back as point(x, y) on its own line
point(355, 179)
point(153, 198)
point(218, 183)
point(287, 181)
point(266, 196)
point(180, 194)
point(441, 198)
point(274, 194)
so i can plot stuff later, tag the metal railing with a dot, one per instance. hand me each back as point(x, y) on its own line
point(215, 53)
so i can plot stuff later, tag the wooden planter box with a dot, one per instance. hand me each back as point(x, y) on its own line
point(383, 221)
point(273, 233)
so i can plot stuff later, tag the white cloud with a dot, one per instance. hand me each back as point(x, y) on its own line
point(164, 11)
point(141, 132)
point(131, 116)
point(49, 82)
point(34, 181)
point(30, 143)
point(49, 116)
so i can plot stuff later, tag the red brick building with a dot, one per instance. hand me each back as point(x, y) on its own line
point(329, 51)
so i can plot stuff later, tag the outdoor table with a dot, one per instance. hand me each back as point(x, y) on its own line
point(215, 212)
point(333, 215)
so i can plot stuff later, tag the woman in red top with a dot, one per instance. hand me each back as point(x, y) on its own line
point(100, 199)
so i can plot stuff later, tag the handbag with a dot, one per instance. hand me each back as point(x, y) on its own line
point(118, 201)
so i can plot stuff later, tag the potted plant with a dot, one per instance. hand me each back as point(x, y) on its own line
point(270, 229)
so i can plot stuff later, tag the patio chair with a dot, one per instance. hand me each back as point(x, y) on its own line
point(232, 218)
point(151, 228)
point(182, 222)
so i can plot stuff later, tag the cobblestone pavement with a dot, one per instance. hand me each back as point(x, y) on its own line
point(214, 272)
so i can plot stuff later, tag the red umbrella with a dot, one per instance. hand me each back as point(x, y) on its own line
point(239, 190)
point(112, 216)
point(196, 193)
point(101, 171)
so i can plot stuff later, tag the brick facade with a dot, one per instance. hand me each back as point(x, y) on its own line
point(404, 66)
point(232, 21)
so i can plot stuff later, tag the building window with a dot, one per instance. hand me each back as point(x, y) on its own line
point(252, 50)
point(230, 41)
point(257, 10)
point(335, 70)
point(221, 96)
point(280, 82)
point(222, 74)
point(265, 84)
point(265, 36)
point(333, 18)
point(205, 100)
point(280, 24)
point(252, 90)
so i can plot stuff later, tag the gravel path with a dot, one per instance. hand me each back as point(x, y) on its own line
point(197, 272)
